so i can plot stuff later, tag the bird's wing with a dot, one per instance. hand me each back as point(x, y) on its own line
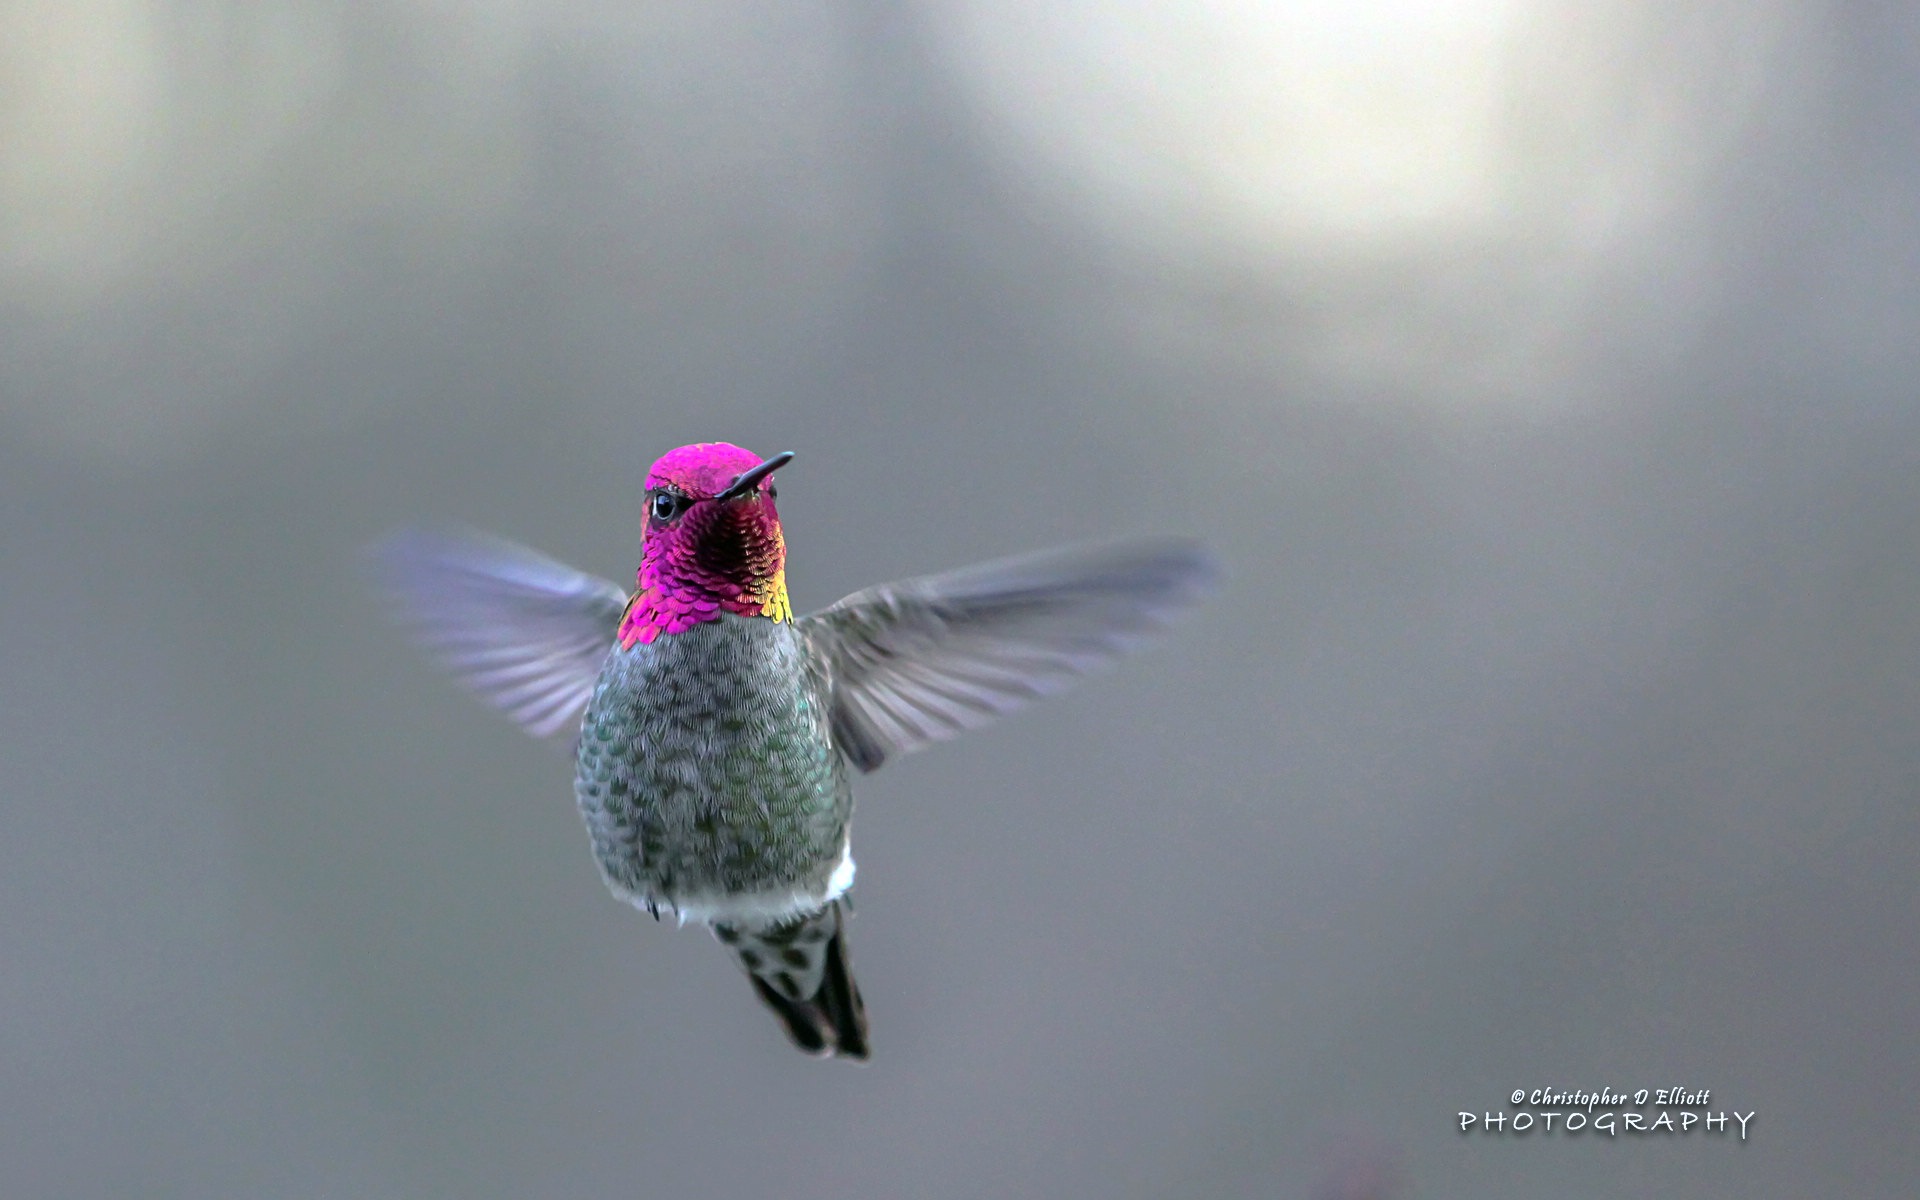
point(527, 633)
point(923, 660)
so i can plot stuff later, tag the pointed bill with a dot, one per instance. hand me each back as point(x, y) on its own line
point(748, 480)
point(923, 660)
point(527, 633)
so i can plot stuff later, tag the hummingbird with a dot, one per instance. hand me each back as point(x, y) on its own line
point(715, 736)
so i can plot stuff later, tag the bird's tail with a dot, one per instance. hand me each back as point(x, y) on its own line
point(799, 968)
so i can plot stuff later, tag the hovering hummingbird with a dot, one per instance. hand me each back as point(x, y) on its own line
point(715, 735)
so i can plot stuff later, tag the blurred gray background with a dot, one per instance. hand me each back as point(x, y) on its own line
point(1542, 372)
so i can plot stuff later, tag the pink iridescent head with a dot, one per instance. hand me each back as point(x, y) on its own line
point(712, 542)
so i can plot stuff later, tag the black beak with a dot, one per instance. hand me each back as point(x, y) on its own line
point(746, 481)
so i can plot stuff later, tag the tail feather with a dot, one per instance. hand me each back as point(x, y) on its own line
point(800, 970)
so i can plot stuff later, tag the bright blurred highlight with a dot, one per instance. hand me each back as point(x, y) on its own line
point(1410, 192)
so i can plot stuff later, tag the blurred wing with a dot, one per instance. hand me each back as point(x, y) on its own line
point(923, 660)
point(527, 633)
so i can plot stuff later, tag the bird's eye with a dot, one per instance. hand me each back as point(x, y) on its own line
point(668, 505)
point(773, 493)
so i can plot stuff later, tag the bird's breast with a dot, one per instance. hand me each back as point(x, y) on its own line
point(705, 766)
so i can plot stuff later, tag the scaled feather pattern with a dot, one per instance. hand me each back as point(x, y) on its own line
point(726, 559)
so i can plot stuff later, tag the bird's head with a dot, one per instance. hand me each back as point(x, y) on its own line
point(711, 542)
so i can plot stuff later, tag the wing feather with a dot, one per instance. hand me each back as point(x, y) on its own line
point(527, 633)
point(923, 660)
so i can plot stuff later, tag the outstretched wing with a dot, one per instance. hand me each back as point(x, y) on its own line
point(527, 633)
point(923, 660)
